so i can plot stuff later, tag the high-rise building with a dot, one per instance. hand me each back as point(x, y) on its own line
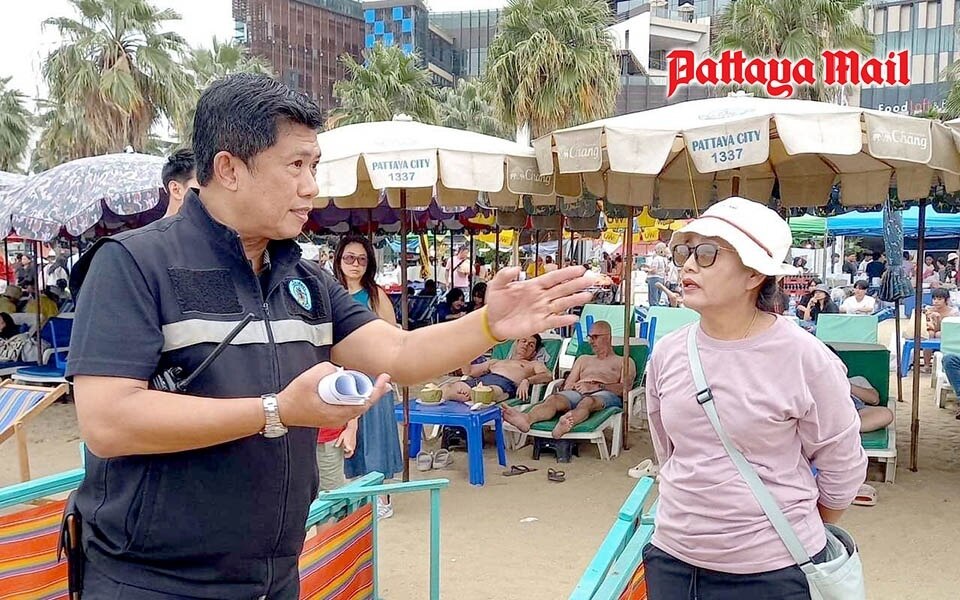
point(303, 40)
point(928, 30)
point(471, 32)
point(405, 23)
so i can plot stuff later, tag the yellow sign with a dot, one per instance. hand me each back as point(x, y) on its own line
point(611, 237)
point(651, 234)
point(619, 224)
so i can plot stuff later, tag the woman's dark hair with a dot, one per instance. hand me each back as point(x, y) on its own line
point(772, 298)
point(454, 295)
point(9, 328)
point(862, 285)
point(940, 293)
point(479, 289)
point(876, 256)
point(368, 279)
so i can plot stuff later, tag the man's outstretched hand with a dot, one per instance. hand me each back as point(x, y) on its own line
point(520, 308)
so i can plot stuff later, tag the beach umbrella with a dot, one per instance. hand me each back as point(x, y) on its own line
point(894, 286)
point(75, 194)
point(9, 180)
point(413, 163)
point(791, 153)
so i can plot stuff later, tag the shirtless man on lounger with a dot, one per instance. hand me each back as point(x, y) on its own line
point(594, 383)
point(510, 378)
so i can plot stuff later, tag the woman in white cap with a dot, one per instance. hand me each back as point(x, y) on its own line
point(782, 397)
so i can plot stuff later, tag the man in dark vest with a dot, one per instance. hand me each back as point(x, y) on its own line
point(203, 493)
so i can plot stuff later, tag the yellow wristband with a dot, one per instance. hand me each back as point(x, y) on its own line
point(485, 321)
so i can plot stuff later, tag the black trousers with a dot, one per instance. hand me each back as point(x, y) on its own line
point(669, 578)
point(97, 586)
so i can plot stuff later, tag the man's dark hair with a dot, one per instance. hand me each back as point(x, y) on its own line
point(940, 293)
point(876, 256)
point(241, 113)
point(862, 284)
point(180, 167)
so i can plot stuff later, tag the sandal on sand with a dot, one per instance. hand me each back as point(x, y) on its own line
point(424, 461)
point(442, 459)
point(517, 470)
point(556, 476)
point(866, 496)
point(646, 468)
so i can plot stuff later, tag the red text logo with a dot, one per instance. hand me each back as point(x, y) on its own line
point(780, 76)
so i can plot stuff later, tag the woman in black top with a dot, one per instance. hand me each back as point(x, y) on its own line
point(821, 303)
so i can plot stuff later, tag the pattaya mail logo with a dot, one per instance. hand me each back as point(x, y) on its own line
point(781, 76)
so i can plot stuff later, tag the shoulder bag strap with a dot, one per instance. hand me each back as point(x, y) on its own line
point(760, 492)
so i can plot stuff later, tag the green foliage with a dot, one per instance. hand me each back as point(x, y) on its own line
point(553, 64)
point(387, 83)
point(793, 29)
point(15, 127)
point(468, 106)
point(115, 75)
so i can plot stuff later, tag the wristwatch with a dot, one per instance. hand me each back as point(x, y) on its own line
point(271, 412)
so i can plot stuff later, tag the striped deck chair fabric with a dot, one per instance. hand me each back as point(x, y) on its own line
point(637, 588)
point(14, 403)
point(337, 563)
point(28, 554)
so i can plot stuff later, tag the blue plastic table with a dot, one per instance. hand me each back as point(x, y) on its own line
point(906, 357)
point(457, 414)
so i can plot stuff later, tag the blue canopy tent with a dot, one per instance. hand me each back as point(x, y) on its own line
point(870, 224)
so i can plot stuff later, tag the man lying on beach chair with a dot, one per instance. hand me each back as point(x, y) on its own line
point(510, 378)
point(594, 383)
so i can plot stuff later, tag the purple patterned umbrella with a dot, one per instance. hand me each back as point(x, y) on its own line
point(73, 195)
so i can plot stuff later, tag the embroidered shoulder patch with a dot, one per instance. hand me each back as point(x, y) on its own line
point(301, 293)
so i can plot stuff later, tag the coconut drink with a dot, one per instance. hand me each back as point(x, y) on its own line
point(431, 394)
point(482, 393)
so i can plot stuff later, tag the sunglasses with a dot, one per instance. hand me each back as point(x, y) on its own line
point(705, 254)
point(352, 259)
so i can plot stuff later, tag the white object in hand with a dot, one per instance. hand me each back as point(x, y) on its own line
point(350, 388)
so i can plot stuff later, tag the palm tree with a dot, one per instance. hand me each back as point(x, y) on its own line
point(115, 75)
point(388, 82)
point(552, 64)
point(14, 127)
point(794, 29)
point(468, 106)
point(204, 66)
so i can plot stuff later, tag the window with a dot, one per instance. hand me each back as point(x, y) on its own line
point(369, 16)
point(397, 13)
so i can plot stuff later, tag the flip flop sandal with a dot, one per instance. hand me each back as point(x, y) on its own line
point(424, 461)
point(442, 459)
point(515, 470)
point(646, 468)
point(866, 496)
point(556, 476)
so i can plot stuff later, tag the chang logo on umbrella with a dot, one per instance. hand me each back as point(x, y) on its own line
point(574, 152)
point(725, 113)
point(899, 136)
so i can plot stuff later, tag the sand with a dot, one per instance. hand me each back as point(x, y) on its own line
point(909, 541)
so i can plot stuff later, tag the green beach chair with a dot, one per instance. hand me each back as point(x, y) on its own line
point(670, 319)
point(872, 361)
point(854, 329)
point(949, 344)
point(616, 571)
point(594, 428)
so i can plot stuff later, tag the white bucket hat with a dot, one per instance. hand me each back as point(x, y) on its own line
point(760, 237)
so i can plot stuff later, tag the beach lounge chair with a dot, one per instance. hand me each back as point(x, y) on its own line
point(616, 571)
point(872, 361)
point(665, 319)
point(593, 429)
point(18, 405)
point(853, 329)
point(56, 333)
point(338, 562)
point(949, 344)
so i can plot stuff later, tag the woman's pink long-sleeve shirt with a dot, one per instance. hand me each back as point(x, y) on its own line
point(784, 400)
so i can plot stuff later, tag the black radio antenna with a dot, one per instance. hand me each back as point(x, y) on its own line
point(183, 385)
